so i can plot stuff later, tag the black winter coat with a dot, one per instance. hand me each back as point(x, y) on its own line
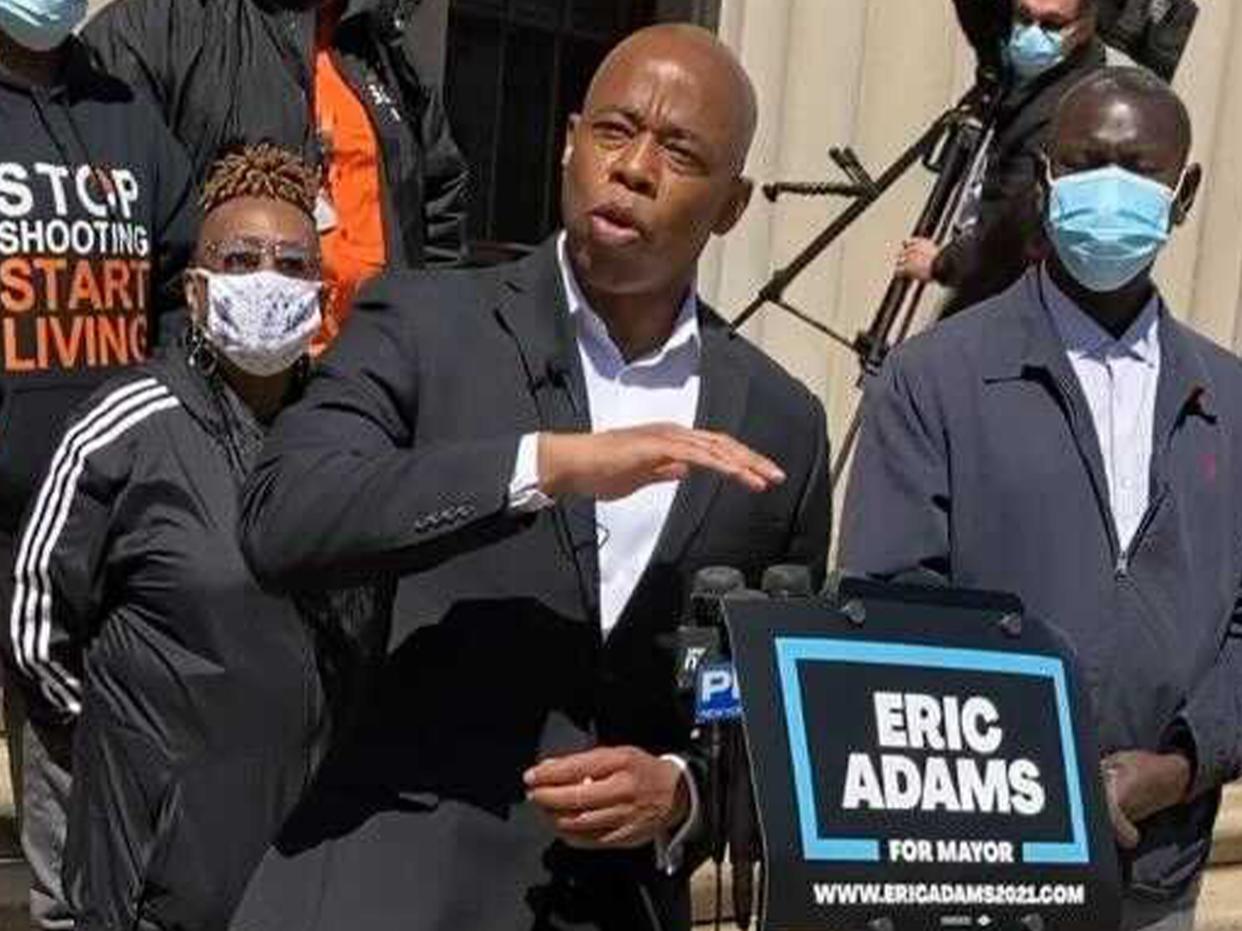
point(196, 694)
point(228, 71)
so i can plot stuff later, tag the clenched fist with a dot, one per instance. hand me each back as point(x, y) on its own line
point(1139, 784)
point(609, 796)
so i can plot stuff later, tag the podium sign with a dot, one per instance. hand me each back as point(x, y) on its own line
point(925, 761)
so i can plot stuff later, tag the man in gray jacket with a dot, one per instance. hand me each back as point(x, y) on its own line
point(1070, 441)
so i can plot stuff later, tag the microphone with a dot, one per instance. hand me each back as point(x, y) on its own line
point(715, 582)
point(701, 639)
point(787, 581)
point(556, 369)
point(557, 373)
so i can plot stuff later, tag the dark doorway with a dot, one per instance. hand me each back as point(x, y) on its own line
point(515, 70)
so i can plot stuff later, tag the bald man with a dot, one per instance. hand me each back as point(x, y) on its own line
point(1071, 441)
point(537, 458)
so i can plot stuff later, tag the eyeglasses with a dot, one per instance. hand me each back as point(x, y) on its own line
point(246, 254)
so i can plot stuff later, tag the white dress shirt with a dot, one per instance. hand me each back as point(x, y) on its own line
point(660, 387)
point(1119, 379)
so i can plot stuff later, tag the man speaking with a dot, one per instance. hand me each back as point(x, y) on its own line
point(541, 455)
point(1071, 442)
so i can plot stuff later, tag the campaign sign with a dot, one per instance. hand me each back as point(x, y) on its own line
point(921, 763)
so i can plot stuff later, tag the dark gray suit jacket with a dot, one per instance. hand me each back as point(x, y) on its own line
point(978, 460)
point(398, 462)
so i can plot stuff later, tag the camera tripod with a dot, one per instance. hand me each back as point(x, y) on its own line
point(953, 148)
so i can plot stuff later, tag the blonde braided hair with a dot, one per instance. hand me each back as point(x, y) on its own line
point(260, 170)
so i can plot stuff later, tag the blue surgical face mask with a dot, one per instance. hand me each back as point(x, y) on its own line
point(40, 25)
point(1032, 50)
point(1108, 225)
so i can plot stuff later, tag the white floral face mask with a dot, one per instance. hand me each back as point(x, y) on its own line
point(262, 322)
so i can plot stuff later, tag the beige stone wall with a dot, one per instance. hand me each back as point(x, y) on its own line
point(871, 73)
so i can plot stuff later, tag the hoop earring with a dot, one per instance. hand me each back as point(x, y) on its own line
point(200, 354)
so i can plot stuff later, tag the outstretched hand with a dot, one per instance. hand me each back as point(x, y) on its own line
point(614, 463)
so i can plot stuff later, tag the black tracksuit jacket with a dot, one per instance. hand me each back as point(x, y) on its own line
point(196, 694)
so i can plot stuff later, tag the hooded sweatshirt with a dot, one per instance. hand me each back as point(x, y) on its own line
point(97, 220)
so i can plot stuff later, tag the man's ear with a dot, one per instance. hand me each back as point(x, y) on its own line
point(1186, 194)
point(1081, 31)
point(571, 130)
point(734, 206)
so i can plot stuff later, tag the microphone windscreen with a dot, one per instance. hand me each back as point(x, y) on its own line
point(787, 581)
point(717, 581)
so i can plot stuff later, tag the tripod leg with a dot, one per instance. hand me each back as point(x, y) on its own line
point(783, 277)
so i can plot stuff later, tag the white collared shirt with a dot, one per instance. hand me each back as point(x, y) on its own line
point(1119, 379)
point(660, 387)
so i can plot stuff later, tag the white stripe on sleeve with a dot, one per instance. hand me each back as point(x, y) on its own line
point(30, 618)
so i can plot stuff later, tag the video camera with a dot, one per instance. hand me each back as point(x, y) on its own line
point(1152, 32)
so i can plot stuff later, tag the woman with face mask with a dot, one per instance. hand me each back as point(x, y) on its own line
point(195, 693)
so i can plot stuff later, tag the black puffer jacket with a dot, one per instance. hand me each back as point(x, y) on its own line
point(226, 71)
point(197, 697)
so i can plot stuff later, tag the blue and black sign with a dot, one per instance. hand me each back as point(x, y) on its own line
point(929, 765)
